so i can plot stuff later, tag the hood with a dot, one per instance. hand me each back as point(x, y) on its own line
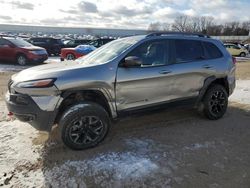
point(68, 49)
point(33, 48)
point(53, 70)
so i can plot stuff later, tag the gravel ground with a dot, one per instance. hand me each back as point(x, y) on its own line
point(171, 148)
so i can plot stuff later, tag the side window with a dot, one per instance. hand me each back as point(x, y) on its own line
point(36, 40)
point(72, 42)
point(48, 41)
point(236, 47)
point(188, 50)
point(152, 53)
point(3, 42)
point(211, 51)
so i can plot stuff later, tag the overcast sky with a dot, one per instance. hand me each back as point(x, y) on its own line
point(132, 14)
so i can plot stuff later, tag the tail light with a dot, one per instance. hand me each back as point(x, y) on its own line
point(234, 60)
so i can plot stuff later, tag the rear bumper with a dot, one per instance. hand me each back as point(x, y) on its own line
point(25, 109)
point(231, 85)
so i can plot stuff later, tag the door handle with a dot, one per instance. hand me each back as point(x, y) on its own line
point(165, 71)
point(207, 66)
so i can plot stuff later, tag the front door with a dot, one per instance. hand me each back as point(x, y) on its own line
point(146, 84)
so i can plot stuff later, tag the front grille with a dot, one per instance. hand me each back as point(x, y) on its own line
point(9, 84)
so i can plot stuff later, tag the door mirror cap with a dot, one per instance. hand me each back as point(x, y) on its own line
point(132, 61)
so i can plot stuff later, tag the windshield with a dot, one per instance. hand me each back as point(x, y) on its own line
point(109, 51)
point(20, 42)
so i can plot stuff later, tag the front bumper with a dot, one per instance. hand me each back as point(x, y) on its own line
point(37, 58)
point(25, 109)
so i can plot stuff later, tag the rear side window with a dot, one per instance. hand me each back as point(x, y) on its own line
point(211, 51)
point(3, 42)
point(188, 50)
point(37, 40)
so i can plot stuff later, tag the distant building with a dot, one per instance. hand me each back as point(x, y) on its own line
point(70, 30)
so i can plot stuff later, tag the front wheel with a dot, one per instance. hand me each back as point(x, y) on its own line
point(84, 125)
point(215, 102)
point(21, 60)
point(70, 56)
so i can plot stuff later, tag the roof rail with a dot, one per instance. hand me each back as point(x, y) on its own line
point(177, 33)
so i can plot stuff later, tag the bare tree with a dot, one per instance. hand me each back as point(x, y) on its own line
point(156, 26)
point(180, 23)
point(166, 26)
point(205, 23)
point(193, 24)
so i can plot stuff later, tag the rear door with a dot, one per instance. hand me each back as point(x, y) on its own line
point(7, 51)
point(189, 68)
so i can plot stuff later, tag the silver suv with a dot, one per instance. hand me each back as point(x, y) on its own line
point(122, 77)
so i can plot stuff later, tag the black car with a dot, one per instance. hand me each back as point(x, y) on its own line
point(52, 45)
point(75, 42)
point(99, 42)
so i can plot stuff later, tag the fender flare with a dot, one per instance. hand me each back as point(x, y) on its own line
point(208, 81)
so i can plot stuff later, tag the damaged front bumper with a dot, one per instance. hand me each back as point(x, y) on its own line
point(28, 109)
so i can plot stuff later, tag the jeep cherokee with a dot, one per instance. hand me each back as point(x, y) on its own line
point(125, 75)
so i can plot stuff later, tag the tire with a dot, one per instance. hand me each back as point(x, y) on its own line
point(70, 56)
point(215, 102)
point(84, 125)
point(242, 54)
point(21, 60)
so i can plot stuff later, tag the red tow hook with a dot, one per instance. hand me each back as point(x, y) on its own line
point(10, 114)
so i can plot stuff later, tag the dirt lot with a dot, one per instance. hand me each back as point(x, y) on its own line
point(172, 148)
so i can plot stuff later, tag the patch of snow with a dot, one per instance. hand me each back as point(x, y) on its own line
point(241, 93)
point(12, 68)
point(140, 146)
point(117, 167)
point(5, 67)
point(242, 59)
point(54, 59)
point(198, 146)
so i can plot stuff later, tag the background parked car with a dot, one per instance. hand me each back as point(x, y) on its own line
point(52, 45)
point(75, 42)
point(236, 50)
point(247, 46)
point(20, 51)
point(74, 53)
point(99, 42)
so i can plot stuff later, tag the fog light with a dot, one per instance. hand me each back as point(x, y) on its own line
point(21, 100)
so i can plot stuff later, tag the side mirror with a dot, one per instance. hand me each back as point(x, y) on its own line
point(132, 61)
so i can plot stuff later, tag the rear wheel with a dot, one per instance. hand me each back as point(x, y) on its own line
point(84, 125)
point(242, 54)
point(21, 60)
point(215, 102)
point(70, 56)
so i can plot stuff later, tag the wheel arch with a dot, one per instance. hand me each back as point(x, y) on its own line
point(208, 83)
point(70, 98)
point(21, 53)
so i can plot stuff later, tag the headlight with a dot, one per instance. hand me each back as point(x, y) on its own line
point(37, 83)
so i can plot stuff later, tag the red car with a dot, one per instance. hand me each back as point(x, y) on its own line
point(20, 51)
point(74, 53)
